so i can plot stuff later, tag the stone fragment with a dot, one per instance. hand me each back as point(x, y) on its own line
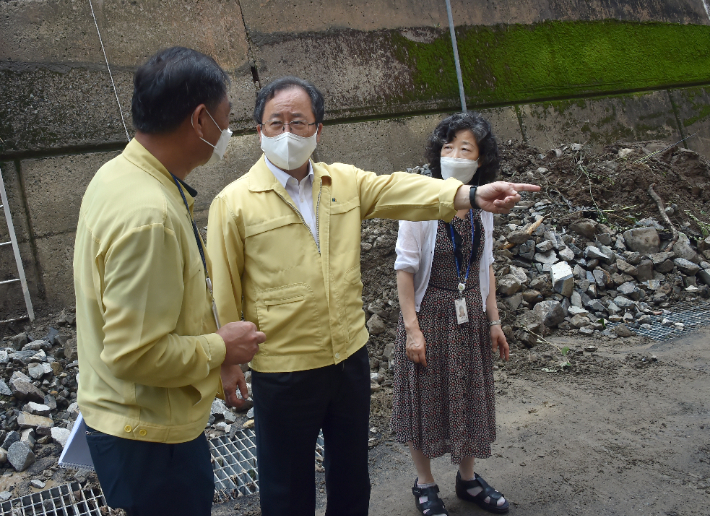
point(37, 409)
point(584, 227)
point(27, 420)
point(3, 455)
point(4, 389)
point(388, 351)
point(704, 276)
point(550, 312)
point(642, 240)
point(645, 270)
point(70, 352)
point(623, 302)
point(623, 331)
point(683, 249)
point(507, 285)
point(566, 254)
point(36, 371)
point(625, 152)
point(376, 325)
point(579, 321)
point(544, 246)
point(626, 267)
point(60, 435)
point(549, 257)
point(601, 277)
point(10, 438)
point(612, 308)
point(576, 310)
point(576, 299)
point(527, 249)
point(20, 456)
point(579, 272)
point(38, 484)
point(686, 266)
point(5, 495)
point(519, 274)
point(19, 341)
point(27, 436)
point(514, 301)
point(604, 238)
point(532, 296)
point(562, 278)
point(593, 253)
point(22, 389)
point(518, 237)
point(37, 345)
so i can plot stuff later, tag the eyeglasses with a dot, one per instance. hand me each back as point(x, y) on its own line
point(299, 127)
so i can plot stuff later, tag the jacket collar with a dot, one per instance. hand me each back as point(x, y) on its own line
point(143, 159)
point(261, 179)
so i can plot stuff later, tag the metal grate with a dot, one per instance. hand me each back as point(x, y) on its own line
point(235, 475)
point(234, 464)
point(64, 500)
point(692, 317)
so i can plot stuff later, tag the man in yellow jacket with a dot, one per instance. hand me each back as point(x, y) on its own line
point(150, 351)
point(285, 244)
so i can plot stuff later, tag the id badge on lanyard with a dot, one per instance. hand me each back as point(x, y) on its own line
point(460, 303)
point(202, 253)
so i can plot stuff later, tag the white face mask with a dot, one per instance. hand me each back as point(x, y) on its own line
point(219, 148)
point(459, 168)
point(288, 151)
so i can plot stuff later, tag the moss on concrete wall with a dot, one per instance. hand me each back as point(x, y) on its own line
point(557, 59)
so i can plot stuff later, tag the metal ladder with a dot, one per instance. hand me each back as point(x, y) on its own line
point(15, 248)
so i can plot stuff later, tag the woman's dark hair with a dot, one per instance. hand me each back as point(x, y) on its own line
point(285, 83)
point(171, 84)
point(488, 158)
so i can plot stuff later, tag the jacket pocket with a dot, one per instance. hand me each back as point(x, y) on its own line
point(289, 317)
point(353, 301)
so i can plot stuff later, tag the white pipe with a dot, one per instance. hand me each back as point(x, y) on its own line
point(456, 55)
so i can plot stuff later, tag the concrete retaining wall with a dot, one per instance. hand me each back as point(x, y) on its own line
point(545, 71)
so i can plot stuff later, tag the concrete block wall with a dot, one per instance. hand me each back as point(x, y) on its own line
point(385, 68)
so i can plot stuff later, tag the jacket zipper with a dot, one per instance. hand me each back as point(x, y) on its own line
point(303, 221)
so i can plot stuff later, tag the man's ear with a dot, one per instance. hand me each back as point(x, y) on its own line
point(258, 131)
point(319, 132)
point(197, 120)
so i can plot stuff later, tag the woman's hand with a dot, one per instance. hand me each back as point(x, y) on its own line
point(498, 342)
point(416, 347)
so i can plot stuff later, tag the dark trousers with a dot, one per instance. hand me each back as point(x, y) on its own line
point(154, 479)
point(289, 410)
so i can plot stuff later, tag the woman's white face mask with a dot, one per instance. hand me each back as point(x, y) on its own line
point(288, 151)
point(459, 168)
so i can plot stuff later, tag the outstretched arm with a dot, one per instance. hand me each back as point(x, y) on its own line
point(497, 197)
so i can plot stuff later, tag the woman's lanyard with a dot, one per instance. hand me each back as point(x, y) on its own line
point(202, 251)
point(462, 284)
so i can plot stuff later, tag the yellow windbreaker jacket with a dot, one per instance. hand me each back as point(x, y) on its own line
point(148, 355)
point(306, 297)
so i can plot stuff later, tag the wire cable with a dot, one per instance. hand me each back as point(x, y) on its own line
point(128, 137)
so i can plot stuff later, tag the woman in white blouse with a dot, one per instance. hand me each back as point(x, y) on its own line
point(444, 400)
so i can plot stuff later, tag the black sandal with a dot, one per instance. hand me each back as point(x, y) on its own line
point(433, 505)
point(493, 496)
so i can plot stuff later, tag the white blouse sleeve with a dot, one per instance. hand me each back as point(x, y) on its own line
point(408, 247)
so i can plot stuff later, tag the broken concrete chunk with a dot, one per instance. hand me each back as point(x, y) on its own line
point(27, 420)
point(642, 240)
point(60, 435)
point(550, 312)
point(562, 279)
point(546, 258)
point(20, 456)
point(686, 266)
point(584, 227)
point(508, 285)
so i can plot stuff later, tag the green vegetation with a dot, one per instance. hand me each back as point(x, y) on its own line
point(557, 59)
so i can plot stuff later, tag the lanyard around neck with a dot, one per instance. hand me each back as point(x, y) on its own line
point(462, 284)
point(199, 246)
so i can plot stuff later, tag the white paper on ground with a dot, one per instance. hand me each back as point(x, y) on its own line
point(76, 452)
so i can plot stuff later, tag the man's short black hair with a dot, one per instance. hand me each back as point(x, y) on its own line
point(488, 156)
point(285, 83)
point(171, 84)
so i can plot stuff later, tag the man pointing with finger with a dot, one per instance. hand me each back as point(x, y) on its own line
point(285, 243)
point(150, 351)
